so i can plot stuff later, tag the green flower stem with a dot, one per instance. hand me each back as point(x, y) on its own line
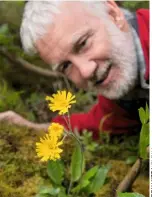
point(70, 186)
point(64, 136)
point(70, 133)
point(67, 122)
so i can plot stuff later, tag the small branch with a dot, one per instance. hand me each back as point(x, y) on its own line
point(26, 65)
point(130, 177)
point(67, 83)
point(14, 118)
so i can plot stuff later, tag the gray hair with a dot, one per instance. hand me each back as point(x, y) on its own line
point(38, 14)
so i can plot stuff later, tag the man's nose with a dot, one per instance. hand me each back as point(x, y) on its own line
point(85, 67)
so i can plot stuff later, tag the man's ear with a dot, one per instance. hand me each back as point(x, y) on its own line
point(116, 14)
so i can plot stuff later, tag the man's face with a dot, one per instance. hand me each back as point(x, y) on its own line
point(91, 51)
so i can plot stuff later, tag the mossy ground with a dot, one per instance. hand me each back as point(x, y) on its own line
point(21, 172)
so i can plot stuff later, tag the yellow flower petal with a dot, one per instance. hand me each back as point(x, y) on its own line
point(61, 101)
point(48, 148)
point(55, 130)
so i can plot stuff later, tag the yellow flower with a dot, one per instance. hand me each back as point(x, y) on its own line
point(48, 148)
point(55, 130)
point(61, 101)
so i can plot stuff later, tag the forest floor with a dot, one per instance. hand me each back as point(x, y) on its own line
point(21, 172)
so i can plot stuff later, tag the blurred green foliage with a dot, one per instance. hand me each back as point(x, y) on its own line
point(10, 99)
point(144, 134)
point(134, 5)
point(129, 195)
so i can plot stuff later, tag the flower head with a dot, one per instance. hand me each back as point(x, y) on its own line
point(61, 101)
point(48, 148)
point(55, 130)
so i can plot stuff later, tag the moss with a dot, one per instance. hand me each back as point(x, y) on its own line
point(21, 172)
point(20, 169)
point(6, 190)
point(141, 185)
point(30, 186)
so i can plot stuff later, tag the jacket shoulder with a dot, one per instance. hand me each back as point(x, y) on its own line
point(143, 27)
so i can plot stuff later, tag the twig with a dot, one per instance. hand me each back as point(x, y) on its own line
point(130, 177)
point(67, 83)
point(18, 61)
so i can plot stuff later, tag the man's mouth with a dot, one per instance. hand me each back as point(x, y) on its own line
point(105, 75)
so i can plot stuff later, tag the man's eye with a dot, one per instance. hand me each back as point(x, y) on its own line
point(64, 66)
point(80, 46)
point(83, 43)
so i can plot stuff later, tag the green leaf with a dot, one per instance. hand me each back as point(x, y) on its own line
point(77, 163)
point(55, 170)
point(142, 115)
point(80, 186)
point(85, 179)
point(90, 173)
point(4, 29)
point(99, 179)
point(129, 195)
point(62, 195)
point(131, 160)
point(144, 141)
point(43, 195)
point(49, 190)
point(147, 113)
point(6, 40)
point(62, 192)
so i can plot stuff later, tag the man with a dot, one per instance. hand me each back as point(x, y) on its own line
point(98, 46)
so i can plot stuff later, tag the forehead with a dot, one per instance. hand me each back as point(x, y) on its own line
point(73, 20)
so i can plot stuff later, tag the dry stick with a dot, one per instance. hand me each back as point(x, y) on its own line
point(18, 61)
point(130, 177)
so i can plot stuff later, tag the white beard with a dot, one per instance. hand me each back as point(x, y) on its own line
point(123, 55)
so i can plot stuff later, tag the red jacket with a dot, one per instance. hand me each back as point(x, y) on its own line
point(107, 115)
